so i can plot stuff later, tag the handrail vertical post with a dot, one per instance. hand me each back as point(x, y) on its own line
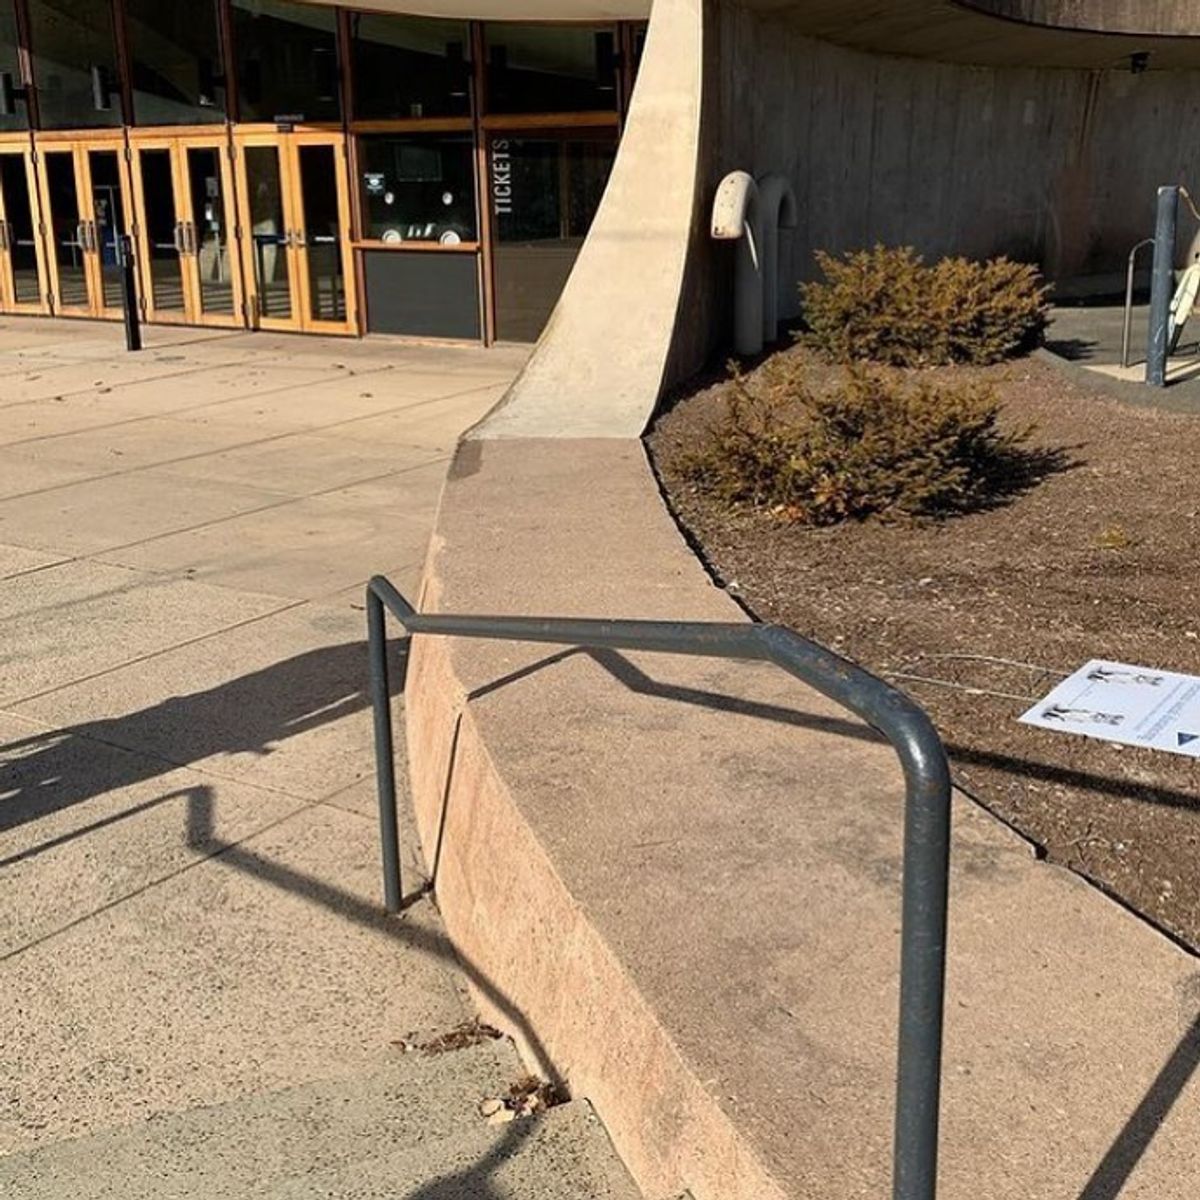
point(927, 812)
point(922, 982)
point(385, 771)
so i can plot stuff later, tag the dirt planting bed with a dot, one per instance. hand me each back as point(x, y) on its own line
point(1098, 560)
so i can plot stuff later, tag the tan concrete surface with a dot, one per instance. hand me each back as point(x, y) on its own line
point(189, 875)
point(715, 852)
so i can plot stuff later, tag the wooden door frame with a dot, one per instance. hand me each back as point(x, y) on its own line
point(218, 142)
point(242, 141)
point(287, 145)
point(65, 147)
point(157, 142)
point(338, 141)
point(41, 307)
point(84, 148)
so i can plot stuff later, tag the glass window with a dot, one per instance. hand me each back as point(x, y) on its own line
point(417, 188)
point(10, 71)
point(176, 52)
point(410, 67)
point(544, 193)
point(75, 63)
point(287, 62)
point(550, 68)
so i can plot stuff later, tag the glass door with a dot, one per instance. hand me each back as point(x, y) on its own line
point(106, 198)
point(22, 267)
point(294, 199)
point(85, 197)
point(185, 228)
point(268, 249)
point(321, 222)
point(212, 261)
point(160, 233)
point(66, 231)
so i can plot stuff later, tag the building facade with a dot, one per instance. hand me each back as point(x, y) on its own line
point(302, 167)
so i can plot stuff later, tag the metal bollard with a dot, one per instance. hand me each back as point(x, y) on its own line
point(129, 299)
point(1162, 284)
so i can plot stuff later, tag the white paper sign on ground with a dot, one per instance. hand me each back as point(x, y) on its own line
point(1117, 702)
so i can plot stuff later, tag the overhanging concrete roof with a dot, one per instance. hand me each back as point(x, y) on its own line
point(1056, 33)
point(509, 10)
point(961, 32)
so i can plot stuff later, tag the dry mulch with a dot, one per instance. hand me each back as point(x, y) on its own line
point(1098, 560)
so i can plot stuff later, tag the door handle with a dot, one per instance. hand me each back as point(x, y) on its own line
point(93, 242)
point(298, 239)
point(193, 245)
point(81, 236)
point(177, 238)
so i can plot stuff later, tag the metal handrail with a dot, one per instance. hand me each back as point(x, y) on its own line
point(898, 718)
point(1130, 268)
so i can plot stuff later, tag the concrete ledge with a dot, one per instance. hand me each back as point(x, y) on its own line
point(683, 874)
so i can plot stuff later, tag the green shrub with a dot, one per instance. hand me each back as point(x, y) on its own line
point(871, 445)
point(885, 305)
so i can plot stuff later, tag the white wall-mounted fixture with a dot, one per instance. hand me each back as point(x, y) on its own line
point(735, 217)
point(751, 213)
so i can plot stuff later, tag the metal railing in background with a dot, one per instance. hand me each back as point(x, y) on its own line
point(1127, 326)
point(899, 719)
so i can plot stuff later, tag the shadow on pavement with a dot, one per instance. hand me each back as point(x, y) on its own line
point(255, 713)
point(259, 711)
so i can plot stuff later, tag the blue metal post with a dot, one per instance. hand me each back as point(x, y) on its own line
point(1162, 285)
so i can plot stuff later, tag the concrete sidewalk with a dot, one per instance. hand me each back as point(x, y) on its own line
point(188, 861)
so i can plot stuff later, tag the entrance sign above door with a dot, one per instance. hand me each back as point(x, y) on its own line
point(1132, 705)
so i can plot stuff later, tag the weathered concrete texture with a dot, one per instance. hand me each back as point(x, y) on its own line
point(189, 891)
point(247, 1147)
point(412, 1130)
point(563, 1155)
point(1054, 166)
point(603, 357)
point(711, 857)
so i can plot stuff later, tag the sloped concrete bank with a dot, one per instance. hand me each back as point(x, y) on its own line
point(683, 874)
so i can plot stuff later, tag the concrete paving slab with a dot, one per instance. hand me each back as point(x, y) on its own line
point(130, 445)
point(281, 702)
point(16, 560)
point(563, 1154)
point(434, 426)
point(68, 791)
point(19, 474)
point(193, 390)
point(269, 964)
point(99, 514)
point(261, 968)
point(359, 395)
point(77, 619)
point(52, 376)
point(300, 463)
point(312, 547)
point(249, 1147)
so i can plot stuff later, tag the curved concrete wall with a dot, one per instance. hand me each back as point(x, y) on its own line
point(1054, 166)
